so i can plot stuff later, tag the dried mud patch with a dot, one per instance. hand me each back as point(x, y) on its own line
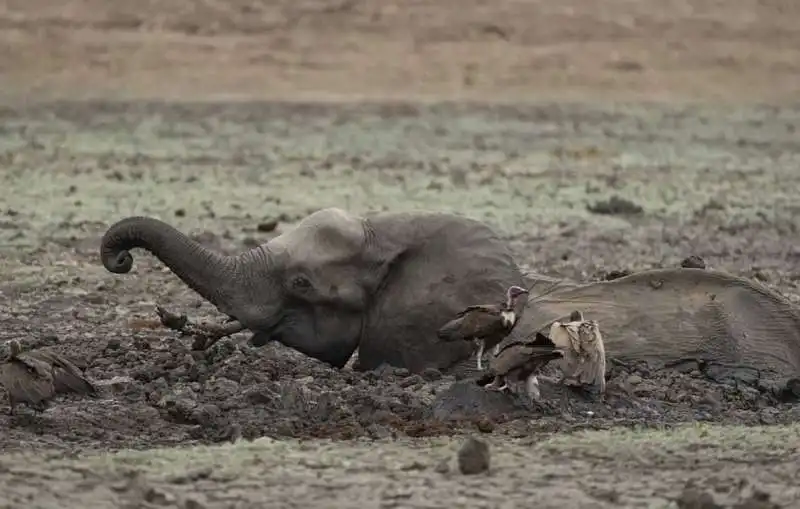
point(157, 390)
point(585, 469)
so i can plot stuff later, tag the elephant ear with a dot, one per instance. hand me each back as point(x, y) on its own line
point(671, 316)
point(448, 263)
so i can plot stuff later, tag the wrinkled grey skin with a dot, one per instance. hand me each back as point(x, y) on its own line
point(337, 282)
point(679, 316)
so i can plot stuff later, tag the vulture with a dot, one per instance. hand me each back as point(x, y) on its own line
point(584, 351)
point(488, 324)
point(521, 361)
point(36, 377)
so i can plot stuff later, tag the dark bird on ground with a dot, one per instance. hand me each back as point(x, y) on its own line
point(35, 377)
point(521, 362)
point(488, 324)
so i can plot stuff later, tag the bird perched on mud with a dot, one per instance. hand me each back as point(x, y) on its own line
point(486, 323)
point(521, 362)
point(36, 377)
point(584, 351)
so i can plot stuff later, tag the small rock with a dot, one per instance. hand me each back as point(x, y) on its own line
point(190, 476)
point(695, 498)
point(206, 414)
point(377, 431)
point(193, 502)
point(710, 402)
point(158, 497)
point(443, 467)
point(615, 205)
point(223, 387)
point(411, 381)
point(758, 500)
point(790, 393)
point(116, 385)
point(431, 374)
point(113, 344)
point(261, 394)
point(267, 226)
point(474, 457)
point(485, 425)
point(179, 405)
point(233, 433)
point(634, 379)
point(693, 262)
point(768, 416)
point(615, 274)
point(401, 372)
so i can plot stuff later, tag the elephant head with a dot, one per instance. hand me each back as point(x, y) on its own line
point(382, 283)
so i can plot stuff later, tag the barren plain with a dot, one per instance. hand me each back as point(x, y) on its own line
point(232, 120)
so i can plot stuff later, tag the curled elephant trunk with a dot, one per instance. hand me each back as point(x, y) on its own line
point(206, 272)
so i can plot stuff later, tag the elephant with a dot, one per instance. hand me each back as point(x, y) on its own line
point(336, 282)
point(672, 316)
point(383, 284)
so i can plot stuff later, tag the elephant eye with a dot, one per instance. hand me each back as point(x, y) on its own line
point(301, 283)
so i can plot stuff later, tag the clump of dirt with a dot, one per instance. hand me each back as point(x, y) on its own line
point(235, 390)
point(615, 206)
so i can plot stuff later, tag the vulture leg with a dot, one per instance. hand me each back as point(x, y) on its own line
point(532, 388)
point(495, 385)
point(496, 349)
point(481, 346)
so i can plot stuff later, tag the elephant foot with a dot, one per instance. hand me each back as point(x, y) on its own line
point(205, 334)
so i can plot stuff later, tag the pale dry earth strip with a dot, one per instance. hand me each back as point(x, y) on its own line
point(586, 470)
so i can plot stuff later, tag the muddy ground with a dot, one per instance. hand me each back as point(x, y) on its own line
point(704, 177)
point(717, 183)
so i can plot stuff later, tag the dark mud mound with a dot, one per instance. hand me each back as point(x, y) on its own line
point(157, 390)
point(637, 396)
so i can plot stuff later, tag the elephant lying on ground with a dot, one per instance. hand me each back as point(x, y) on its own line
point(671, 316)
point(385, 283)
point(382, 284)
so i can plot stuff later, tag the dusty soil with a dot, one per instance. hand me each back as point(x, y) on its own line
point(356, 49)
point(584, 470)
point(715, 180)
